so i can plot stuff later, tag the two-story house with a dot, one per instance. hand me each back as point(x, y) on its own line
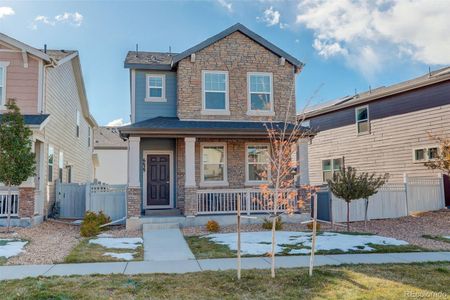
point(197, 137)
point(385, 130)
point(48, 87)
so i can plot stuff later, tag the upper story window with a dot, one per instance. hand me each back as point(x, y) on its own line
point(89, 137)
point(260, 93)
point(258, 163)
point(3, 66)
point(214, 164)
point(362, 119)
point(215, 92)
point(425, 153)
point(156, 88)
point(330, 167)
point(78, 124)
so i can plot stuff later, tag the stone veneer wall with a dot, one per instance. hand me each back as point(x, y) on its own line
point(238, 55)
point(133, 202)
point(26, 202)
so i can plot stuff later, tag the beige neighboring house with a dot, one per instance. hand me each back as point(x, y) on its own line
point(110, 156)
point(48, 87)
point(382, 130)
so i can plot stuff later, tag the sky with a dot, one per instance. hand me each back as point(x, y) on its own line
point(346, 45)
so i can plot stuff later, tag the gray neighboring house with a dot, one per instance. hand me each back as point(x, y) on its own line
point(110, 156)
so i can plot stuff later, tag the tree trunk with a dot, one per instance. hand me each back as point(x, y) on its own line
point(365, 213)
point(8, 207)
point(274, 222)
point(239, 237)
point(348, 216)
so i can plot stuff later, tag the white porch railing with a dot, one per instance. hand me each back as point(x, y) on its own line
point(4, 203)
point(225, 201)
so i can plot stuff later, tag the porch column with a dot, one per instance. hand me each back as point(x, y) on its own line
point(189, 162)
point(134, 185)
point(302, 156)
point(190, 190)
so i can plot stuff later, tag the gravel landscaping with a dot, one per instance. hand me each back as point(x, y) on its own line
point(51, 241)
point(410, 229)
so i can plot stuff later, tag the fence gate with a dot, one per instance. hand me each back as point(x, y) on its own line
point(71, 198)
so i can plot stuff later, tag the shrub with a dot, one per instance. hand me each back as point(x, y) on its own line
point(310, 226)
point(212, 226)
point(267, 224)
point(92, 222)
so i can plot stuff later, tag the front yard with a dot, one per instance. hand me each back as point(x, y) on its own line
point(347, 282)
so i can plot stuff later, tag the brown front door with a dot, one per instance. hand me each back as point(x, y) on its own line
point(158, 180)
point(447, 190)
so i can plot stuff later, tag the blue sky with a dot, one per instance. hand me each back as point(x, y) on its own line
point(345, 45)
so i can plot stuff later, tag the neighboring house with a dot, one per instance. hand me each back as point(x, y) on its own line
point(110, 152)
point(382, 130)
point(48, 87)
point(197, 137)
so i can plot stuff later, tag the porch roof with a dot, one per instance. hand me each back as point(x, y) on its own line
point(33, 120)
point(172, 126)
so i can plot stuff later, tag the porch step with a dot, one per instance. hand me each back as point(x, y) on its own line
point(158, 226)
point(163, 212)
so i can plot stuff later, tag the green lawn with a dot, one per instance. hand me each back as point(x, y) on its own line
point(436, 237)
point(205, 248)
point(346, 282)
point(86, 252)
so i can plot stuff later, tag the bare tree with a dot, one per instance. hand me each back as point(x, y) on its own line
point(442, 159)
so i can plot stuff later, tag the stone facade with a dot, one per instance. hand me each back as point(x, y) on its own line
point(26, 202)
point(238, 55)
point(133, 202)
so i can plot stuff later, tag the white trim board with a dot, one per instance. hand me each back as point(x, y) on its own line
point(171, 179)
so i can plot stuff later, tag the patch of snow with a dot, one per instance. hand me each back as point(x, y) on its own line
point(77, 222)
point(117, 243)
point(258, 243)
point(447, 237)
point(124, 256)
point(104, 235)
point(11, 248)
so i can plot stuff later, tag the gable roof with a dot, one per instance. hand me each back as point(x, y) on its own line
point(13, 42)
point(167, 61)
point(108, 138)
point(430, 78)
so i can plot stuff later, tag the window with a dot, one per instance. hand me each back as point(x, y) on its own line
point(330, 167)
point(69, 174)
point(51, 157)
point(214, 163)
point(89, 137)
point(2, 84)
point(61, 166)
point(215, 91)
point(258, 163)
point(156, 91)
point(78, 124)
point(425, 153)
point(362, 119)
point(260, 97)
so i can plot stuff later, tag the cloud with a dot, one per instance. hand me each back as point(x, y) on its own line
point(75, 19)
point(6, 11)
point(272, 17)
point(117, 123)
point(366, 33)
point(226, 4)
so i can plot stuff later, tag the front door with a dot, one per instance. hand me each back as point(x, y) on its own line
point(158, 180)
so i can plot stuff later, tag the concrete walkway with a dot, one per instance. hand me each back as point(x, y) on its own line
point(165, 243)
point(193, 265)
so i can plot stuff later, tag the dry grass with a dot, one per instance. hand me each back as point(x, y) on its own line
point(85, 252)
point(345, 282)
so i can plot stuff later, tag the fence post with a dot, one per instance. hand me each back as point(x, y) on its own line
point(405, 182)
point(88, 196)
point(441, 189)
point(247, 201)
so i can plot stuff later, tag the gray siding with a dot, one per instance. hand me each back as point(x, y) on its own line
point(146, 110)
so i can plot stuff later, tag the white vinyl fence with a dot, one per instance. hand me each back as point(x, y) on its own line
point(75, 199)
point(392, 200)
point(4, 203)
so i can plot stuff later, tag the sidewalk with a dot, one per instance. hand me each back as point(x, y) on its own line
point(193, 265)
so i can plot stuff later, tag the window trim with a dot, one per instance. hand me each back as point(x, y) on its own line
point(147, 88)
point(223, 182)
point(61, 166)
point(4, 65)
point(332, 165)
point(357, 122)
point(209, 111)
point(251, 112)
point(269, 172)
point(426, 148)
